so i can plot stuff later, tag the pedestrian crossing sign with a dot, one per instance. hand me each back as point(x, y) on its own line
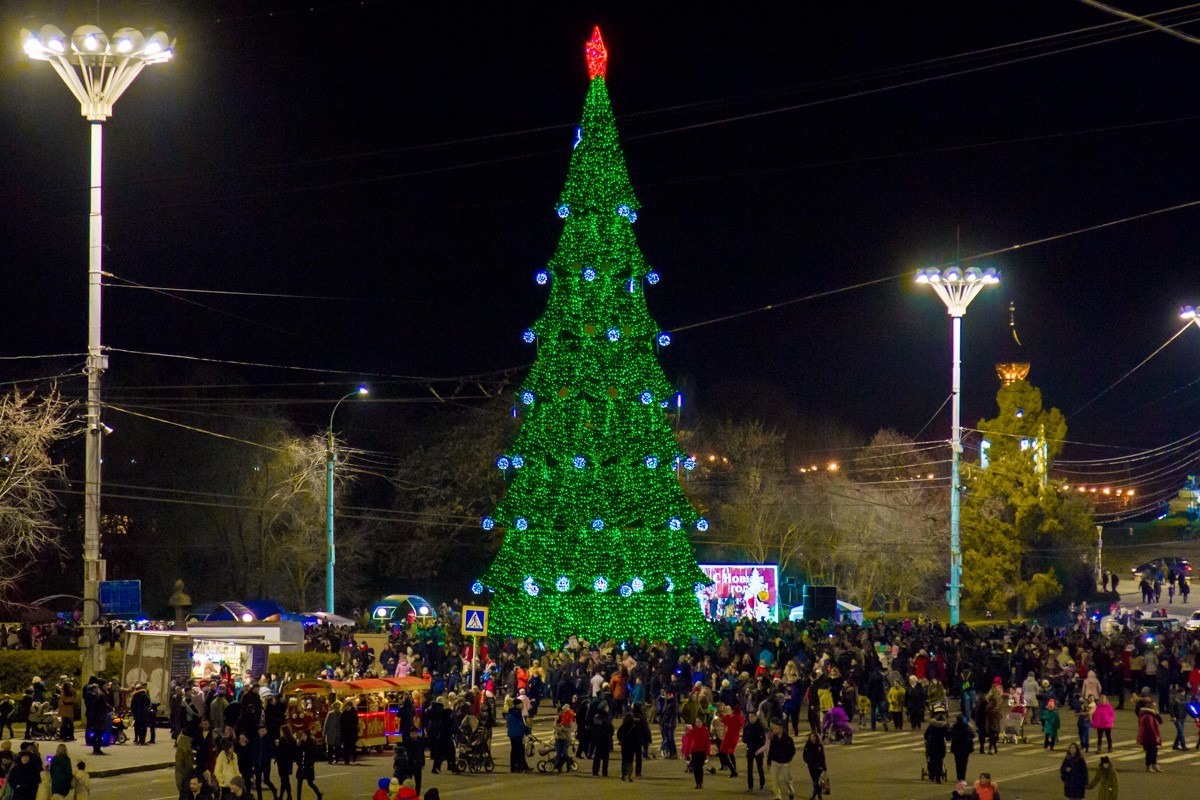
point(474, 620)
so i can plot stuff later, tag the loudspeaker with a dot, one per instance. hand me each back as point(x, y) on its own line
point(820, 602)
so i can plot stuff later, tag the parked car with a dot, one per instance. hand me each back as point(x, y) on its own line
point(1160, 567)
point(1193, 622)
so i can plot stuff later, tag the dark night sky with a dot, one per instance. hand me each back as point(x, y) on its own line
point(314, 152)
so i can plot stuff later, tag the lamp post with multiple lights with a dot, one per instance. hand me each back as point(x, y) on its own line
point(97, 70)
point(330, 460)
point(956, 287)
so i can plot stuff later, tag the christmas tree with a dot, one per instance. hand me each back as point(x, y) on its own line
point(594, 520)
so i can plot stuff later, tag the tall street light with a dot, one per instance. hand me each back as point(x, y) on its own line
point(330, 459)
point(957, 288)
point(97, 70)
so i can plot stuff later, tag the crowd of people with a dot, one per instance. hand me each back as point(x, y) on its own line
point(778, 691)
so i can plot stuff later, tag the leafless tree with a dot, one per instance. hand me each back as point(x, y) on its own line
point(30, 425)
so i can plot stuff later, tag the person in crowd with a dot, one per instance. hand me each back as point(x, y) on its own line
point(962, 744)
point(195, 789)
point(601, 740)
point(754, 736)
point(331, 732)
point(1104, 781)
point(517, 731)
point(985, 788)
point(285, 760)
point(780, 751)
point(1074, 773)
point(814, 759)
point(1050, 724)
point(696, 746)
point(936, 736)
point(24, 777)
point(1102, 722)
point(1149, 735)
point(62, 773)
point(307, 755)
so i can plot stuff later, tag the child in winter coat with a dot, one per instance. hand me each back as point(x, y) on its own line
point(1050, 723)
point(82, 782)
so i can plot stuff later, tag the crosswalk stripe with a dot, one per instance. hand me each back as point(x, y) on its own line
point(1180, 757)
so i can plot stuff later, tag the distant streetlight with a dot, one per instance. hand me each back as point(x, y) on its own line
point(1188, 313)
point(330, 458)
point(957, 288)
point(97, 70)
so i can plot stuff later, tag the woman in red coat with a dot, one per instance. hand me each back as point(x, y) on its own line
point(733, 722)
point(696, 744)
point(1149, 736)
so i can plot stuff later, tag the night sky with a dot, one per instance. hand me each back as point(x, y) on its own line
point(409, 158)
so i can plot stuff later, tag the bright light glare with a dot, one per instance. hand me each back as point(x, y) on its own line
point(57, 45)
point(153, 48)
point(124, 46)
point(32, 46)
point(363, 390)
point(247, 617)
point(1188, 313)
point(90, 41)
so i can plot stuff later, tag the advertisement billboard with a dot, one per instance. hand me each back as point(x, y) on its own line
point(741, 591)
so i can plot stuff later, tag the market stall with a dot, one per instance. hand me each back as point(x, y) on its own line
point(377, 701)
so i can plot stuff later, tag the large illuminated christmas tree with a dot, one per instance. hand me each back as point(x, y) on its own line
point(595, 522)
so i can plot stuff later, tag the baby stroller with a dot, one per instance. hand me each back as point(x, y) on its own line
point(43, 723)
point(548, 757)
point(1012, 727)
point(835, 727)
point(471, 752)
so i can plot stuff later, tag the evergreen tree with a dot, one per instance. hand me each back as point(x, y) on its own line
point(1020, 535)
point(594, 518)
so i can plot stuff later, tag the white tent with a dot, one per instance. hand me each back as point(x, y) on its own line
point(849, 613)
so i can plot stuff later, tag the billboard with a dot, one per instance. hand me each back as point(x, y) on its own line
point(740, 591)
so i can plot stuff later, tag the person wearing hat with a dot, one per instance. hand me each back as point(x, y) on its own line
point(8, 709)
point(1149, 735)
point(1104, 780)
point(1050, 724)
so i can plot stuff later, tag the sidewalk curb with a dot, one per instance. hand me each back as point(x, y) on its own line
point(109, 773)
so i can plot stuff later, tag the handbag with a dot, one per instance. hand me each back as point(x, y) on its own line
point(824, 781)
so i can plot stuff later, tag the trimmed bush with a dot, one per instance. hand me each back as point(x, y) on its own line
point(17, 667)
point(306, 664)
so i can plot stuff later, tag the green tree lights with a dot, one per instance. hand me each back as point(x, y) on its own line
point(595, 523)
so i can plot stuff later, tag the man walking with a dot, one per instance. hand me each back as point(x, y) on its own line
point(780, 752)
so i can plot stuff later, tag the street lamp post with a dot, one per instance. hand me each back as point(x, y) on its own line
point(957, 288)
point(1188, 313)
point(97, 70)
point(330, 459)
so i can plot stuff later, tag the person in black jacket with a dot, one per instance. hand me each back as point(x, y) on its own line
point(262, 752)
point(139, 706)
point(602, 742)
point(935, 744)
point(754, 736)
point(25, 776)
point(962, 743)
point(285, 759)
point(1074, 774)
point(414, 745)
point(350, 733)
point(307, 754)
point(814, 759)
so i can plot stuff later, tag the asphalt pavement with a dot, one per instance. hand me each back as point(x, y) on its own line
point(879, 764)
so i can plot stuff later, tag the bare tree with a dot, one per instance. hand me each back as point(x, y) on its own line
point(29, 427)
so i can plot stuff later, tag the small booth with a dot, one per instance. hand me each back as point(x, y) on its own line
point(308, 703)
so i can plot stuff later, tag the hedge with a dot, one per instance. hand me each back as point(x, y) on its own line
point(306, 664)
point(17, 667)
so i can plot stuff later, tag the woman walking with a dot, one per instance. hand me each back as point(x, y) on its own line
point(962, 742)
point(814, 759)
point(307, 754)
point(1074, 774)
point(1102, 722)
point(1149, 735)
point(696, 745)
point(332, 732)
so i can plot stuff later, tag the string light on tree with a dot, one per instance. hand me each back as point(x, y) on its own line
point(596, 496)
